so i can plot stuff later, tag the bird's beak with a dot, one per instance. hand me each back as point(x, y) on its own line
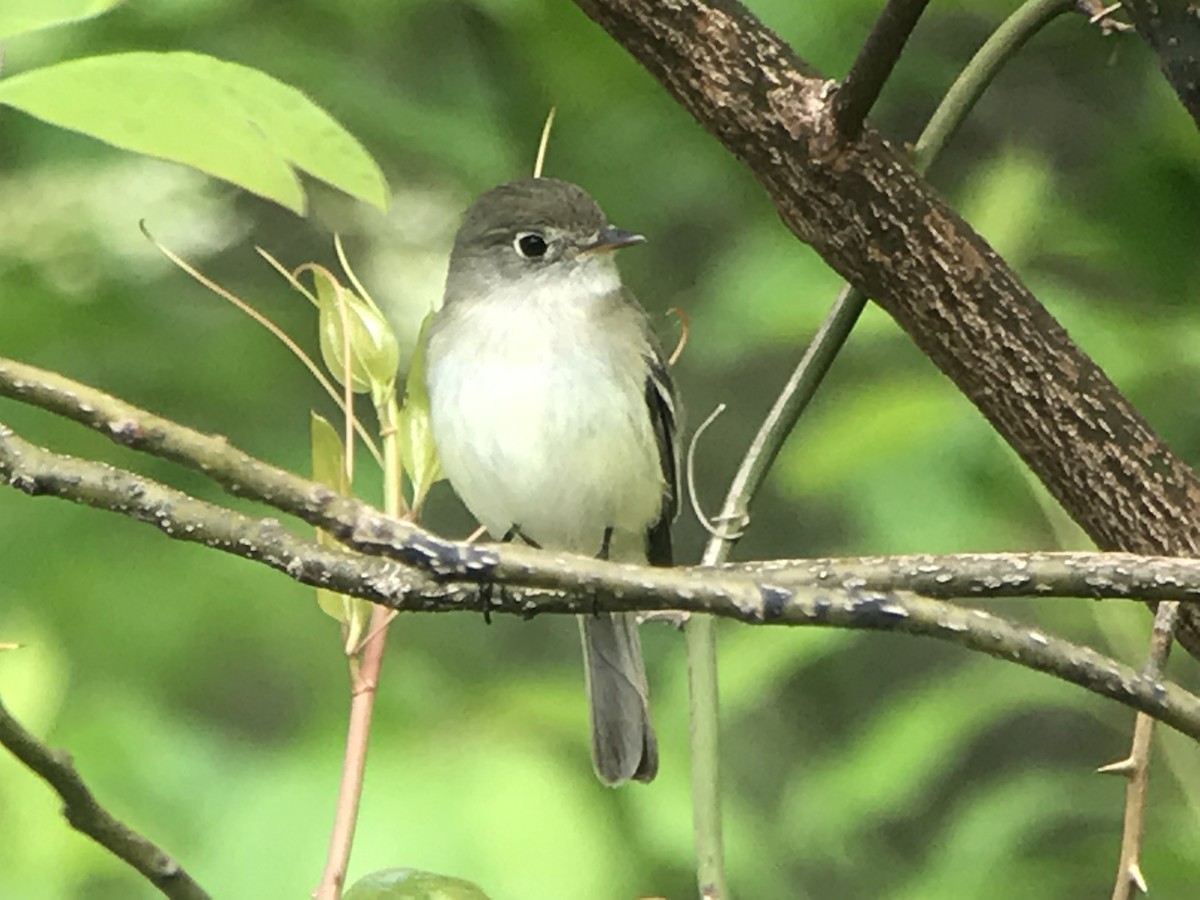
point(611, 238)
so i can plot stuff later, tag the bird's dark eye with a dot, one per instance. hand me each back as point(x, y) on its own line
point(531, 245)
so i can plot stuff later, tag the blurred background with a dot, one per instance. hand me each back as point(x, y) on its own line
point(204, 698)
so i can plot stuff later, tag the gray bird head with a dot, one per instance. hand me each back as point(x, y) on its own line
point(531, 234)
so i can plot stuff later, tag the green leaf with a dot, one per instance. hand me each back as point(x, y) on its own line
point(230, 121)
point(23, 16)
point(374, 350)
point(417, 449)
point(329, 469)
point(412, 884)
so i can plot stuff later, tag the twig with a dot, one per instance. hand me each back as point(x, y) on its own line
point(366, 663)
point(86, 815)
point(694, 495)
point(211, 455)
point(871, 68)
point(364, 678)
point(704, 745)
point(1136, 766)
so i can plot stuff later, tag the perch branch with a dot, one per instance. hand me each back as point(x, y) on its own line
point(542, 582)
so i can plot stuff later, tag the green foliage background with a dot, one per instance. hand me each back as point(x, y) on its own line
point(204, 697)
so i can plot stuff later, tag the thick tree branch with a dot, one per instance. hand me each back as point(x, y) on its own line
point(87, 816)
point(874, 221)
point(871, 68)
point(1172, 29)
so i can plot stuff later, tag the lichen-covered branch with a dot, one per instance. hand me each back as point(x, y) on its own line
point(427, 573)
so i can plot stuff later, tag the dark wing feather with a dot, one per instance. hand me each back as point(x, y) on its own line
point(663, 406)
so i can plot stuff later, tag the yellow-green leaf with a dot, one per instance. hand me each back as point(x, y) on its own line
point(413, 884)
point(374, 350)
point(417, 448)
point(23, 16)
point(228, 120)
point(329, 469)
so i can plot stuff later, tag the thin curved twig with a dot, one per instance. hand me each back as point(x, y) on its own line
point(693, 496)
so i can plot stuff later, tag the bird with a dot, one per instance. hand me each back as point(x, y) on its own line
point(556, 421)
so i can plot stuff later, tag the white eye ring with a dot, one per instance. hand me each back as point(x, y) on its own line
point(531, 244)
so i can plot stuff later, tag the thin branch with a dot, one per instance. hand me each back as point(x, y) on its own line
point(212, 455)
point(364, 682)
point(538, 581)
point(365, 663)
point(873, 66)
point(704, 746)
point(1136, 767)
point(86, 815)
point(994, 575)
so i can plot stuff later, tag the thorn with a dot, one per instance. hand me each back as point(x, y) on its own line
point(1135, 875)
point(1126, 767)
point(1103, 13)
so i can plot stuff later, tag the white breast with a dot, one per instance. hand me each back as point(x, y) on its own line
point(538, 426)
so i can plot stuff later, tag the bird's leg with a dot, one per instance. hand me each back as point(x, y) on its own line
point(605, 546)
point(515, 531)
point(486, 587)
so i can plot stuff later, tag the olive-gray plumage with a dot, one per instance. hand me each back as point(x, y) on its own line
point(554, 417)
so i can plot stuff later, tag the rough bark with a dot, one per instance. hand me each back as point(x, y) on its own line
point(864, 209)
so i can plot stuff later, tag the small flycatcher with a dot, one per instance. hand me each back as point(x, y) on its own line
point(555, 418)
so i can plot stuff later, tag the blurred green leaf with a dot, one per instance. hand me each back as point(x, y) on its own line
point(374, 350)
point(887, 769)
point(412, 884)
point(228, 120)
point(23, 16)
point(992, 827)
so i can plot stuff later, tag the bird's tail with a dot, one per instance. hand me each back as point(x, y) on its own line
point(623, 743)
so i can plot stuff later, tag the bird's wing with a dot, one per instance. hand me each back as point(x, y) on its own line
point(663, 406)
